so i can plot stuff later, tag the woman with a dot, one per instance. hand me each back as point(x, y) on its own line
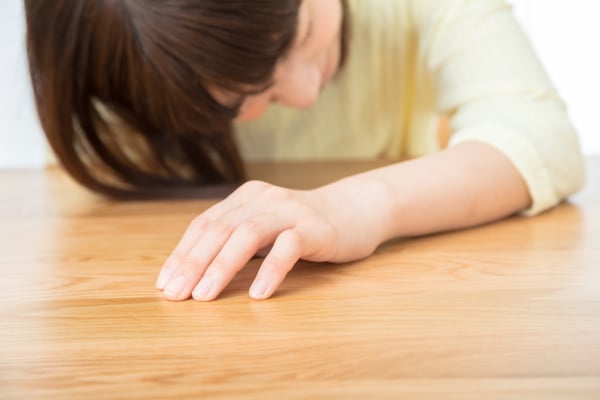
point(145, 98)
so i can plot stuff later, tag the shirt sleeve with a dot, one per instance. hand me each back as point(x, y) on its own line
point(493, 88)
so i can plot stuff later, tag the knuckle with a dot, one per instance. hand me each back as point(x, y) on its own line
point(176, 258)
point(328, 232)
point(276, 265)
point(251, 229)
point(199, 223)
point(219, 228)
point(322, 244)
point(267, 191)
point(254, 186)
point(218, 264)
point(188, 268)
point(293, 240)
point(277, 193)
point(221, 269)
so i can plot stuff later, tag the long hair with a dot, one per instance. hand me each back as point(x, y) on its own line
point(122, 86)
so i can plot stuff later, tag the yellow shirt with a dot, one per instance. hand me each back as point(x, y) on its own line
point(411, 61)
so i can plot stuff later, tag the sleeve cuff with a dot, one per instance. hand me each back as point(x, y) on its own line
point(523, 156)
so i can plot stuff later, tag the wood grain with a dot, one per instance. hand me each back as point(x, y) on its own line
point(504, 311)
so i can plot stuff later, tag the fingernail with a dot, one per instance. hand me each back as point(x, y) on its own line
point(175, 287)
point(164, 276)
point(259, 289)
point(202, 291)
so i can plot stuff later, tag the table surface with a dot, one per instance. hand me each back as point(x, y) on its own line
point(504, 311)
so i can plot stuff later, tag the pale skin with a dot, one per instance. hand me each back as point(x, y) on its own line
point(465, 185)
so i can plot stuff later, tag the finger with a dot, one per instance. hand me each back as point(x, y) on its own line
point(219, 213)
point(243, 244)
point(264, 251)
point(236, 207)
point(186, 274)
point(190, 237)
point(286, 252)
point(219, 222)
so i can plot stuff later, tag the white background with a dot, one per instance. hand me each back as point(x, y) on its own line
point(565, 33)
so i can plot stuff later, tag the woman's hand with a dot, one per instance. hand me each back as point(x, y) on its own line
point(468, 184)
point(324, 224)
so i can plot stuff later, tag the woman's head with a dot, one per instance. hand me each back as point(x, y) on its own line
point(139, 95)
point(311, 61)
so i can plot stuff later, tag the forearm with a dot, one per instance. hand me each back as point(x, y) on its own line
point(466, 185)
point(469, 184)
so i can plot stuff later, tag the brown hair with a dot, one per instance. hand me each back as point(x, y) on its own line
point(121, 86)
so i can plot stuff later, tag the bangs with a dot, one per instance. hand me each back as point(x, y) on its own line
point(180, 48)
point(121, 85)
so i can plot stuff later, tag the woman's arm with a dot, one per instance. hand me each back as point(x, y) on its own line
point(512, 149)
point(493, 88)
point(469, 184)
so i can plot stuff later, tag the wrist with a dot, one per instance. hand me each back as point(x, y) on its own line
point(365, 204)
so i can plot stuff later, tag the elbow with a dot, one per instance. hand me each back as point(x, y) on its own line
point(573, 174)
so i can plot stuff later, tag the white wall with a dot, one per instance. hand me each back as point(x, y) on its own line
point(565, 33)
point(566, 36)
point(21, 143)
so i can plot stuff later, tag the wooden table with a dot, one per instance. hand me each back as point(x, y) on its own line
point(505, 311)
